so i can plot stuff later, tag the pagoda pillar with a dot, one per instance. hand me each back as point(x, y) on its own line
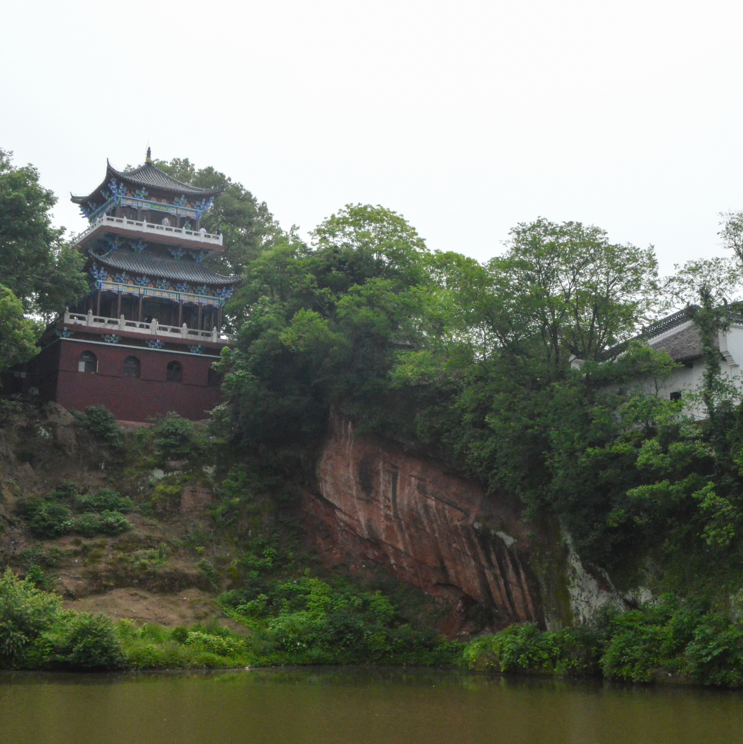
point(198, 322)
point(98, 302)
point(180, 312)
point(139, 311)
point(118, 303)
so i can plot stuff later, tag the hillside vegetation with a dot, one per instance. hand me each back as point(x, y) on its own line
point(520, 373)
point(197, 553)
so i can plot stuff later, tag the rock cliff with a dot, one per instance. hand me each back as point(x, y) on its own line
point(376, 503)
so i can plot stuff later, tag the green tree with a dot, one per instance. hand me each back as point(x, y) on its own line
point(731, 232)
point(247, 225)
point(18, 334)
point(25, 614)
point(722, 278)
point(569, 286)
point(38, 266)
point(321, 326)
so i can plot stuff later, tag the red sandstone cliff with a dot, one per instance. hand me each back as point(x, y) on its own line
point(377, 503)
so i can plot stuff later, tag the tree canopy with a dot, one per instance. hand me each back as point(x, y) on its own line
point(570, 286)
point(18, 334)
point(319, 326)
point(38, 266)
point(247, 225)
point(472, 363)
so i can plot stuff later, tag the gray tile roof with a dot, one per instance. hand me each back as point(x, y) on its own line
point(658, 328)
point(183, 270)
point(149, 176)
point(682, 346)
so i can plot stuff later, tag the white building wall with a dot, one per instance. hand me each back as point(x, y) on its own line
point(688, 379)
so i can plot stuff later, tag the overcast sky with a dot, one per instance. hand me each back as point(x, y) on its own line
point(465, 117)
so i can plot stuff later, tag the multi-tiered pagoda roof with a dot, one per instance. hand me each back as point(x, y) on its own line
point(152, 264)
point(144, 338)
point(147, 176)
point(146, 251)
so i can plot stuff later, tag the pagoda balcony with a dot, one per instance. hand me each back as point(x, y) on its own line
point(158, 233)
point(152, 329)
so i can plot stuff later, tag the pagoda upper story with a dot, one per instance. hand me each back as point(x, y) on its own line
point(150, 204)
point(146, 253)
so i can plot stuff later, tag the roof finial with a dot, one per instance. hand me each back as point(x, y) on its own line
point(148, 159)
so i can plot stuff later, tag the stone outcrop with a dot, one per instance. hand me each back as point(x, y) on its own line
point(378, 504)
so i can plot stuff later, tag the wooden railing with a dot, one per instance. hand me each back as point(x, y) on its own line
point(148, 227)
point(153, 329)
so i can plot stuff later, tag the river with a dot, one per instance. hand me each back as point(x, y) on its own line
point(350, 706)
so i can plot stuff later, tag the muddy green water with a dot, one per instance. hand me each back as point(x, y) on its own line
point(355, 707)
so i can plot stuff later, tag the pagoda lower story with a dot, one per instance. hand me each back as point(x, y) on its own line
point(144, 339)
point(135, 382)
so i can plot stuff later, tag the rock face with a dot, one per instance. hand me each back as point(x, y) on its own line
point(379, 504)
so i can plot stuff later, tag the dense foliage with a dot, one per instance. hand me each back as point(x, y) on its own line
point(36, 633)
point(315, 623)
point(247, 225)
point(64, 510)
point(322, 327)
point(517, 372)
point(102, 425)
point(38, 267)
point(18, 334)
point(40, 272)
point(667, 640)
point(528, 373)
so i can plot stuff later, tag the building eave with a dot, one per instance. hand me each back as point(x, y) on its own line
point(147, 176)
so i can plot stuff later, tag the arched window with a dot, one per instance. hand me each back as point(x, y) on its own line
point(132, 367)
point(87, 363)
point(174, 372)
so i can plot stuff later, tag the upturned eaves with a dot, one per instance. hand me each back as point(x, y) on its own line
point(146, 264)
point(149, 176)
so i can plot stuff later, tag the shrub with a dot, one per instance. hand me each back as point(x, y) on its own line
point(715, 655)
point(518, 648)
point(634, 652)
point(84, 641)
point(150, 655)
point(36, 576)
point(37, 556)
point(103, 523)
point(101, 423)
point(50, 519)
point(65, 490)
point(174, 436)
point(149, 557)
point(155, 647)
point(105, 500)
point(207, 568)
point(310, 621)
point(9, 408)
point(25, 614)
point(668, 637)
point(179, 634)
point(220, 645)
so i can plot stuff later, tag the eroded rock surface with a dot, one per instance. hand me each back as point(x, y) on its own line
point(380, 504)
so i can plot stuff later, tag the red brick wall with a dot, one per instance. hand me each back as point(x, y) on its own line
point(129, 399)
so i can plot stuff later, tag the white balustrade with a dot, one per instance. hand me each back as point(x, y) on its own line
point(147, 329)
point(150, 228)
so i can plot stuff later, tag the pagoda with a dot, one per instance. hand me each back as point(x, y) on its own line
point(143, 340)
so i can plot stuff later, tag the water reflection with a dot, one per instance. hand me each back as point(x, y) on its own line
point(355, 706)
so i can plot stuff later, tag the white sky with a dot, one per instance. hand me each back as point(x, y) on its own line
point(465, 117)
